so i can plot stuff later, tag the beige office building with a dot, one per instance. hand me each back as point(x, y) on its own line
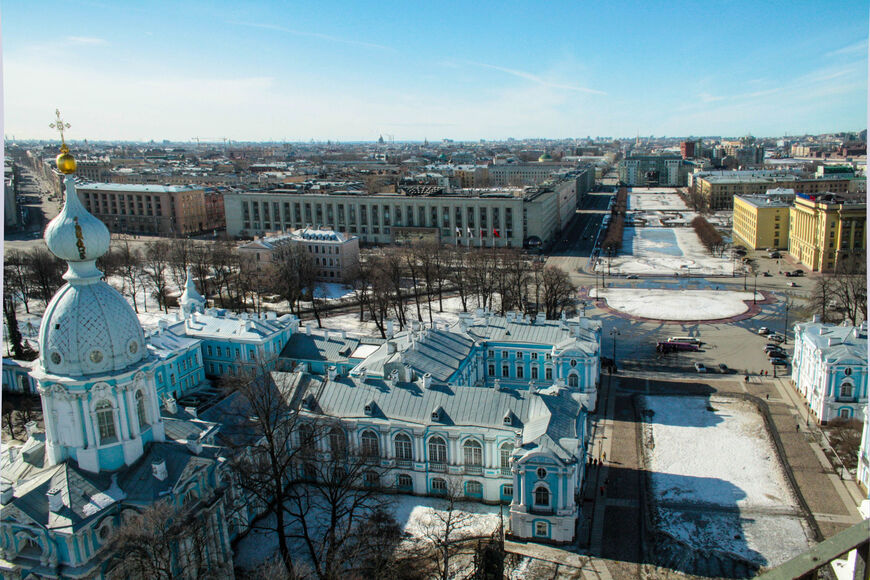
point(827, 229)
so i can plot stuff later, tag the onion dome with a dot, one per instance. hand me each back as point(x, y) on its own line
point(88, 327)
point(545, 157)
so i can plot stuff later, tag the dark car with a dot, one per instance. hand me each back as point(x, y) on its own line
point(723, 368)
point(798, 273)
point(779, 362)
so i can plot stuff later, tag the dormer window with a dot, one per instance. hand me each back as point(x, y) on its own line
point(508, 420)
point(438, 414)
point(370, 408)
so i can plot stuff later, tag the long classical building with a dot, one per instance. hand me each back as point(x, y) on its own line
point(476, 218)
point(718, 188)
point(826, 229)
point(761, 221)
point(494, 406)
point(153, 209)
point(829, 368)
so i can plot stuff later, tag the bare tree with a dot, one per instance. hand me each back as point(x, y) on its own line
point(156, 270)
point(336, 496)
point(46, 273)
point(179, 260)
point(16, 281)
point(222, 270)
point(558, 291)
point(164, 541)
point(457, 274)
point(850, 288)
point(130, 270)
point(261, 423)
point(292, 267)
point(448, 530)
point(822, 299)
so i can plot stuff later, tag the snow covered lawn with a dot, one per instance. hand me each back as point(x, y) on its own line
point(717, 481)
point(411, 512)
point(676, 304)
point(351, 323)
point(655, 199)
point(664, 252)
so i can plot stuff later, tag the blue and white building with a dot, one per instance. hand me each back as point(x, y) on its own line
point(829, 368)
point(16, 377)
point(864, 456)
point(494, 406)
point(105, 454)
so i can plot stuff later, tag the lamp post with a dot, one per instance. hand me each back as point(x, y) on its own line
point(785, 330)
point(754, 286)
point(613, 334)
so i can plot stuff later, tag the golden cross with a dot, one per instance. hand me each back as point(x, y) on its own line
point(59, 125)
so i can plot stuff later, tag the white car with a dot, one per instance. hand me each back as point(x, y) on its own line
point(700, 367)
point(763, 330)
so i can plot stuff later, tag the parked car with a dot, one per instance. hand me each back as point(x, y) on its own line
point(723, 368)
point(631, 277)
point(798, 273)
point(779, 362)
point(776, 338)
point(766, 274)
point(763, 330)
point(770, 347)
point(700, 367)
point(775, 255)
point(787, 274)
point(793, 284)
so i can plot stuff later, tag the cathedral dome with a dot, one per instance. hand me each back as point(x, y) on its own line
point(89, 329)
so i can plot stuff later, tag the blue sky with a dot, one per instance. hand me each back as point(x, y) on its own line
point(461, 70)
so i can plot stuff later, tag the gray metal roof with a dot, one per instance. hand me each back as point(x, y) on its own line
point(319, 347)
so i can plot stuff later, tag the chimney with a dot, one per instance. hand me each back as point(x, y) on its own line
point(171, 406)
point(195, 446)
point(7, 493)
point(518, 439)
point(158, 469)
point(427, 381)
point(391, 347)
point(390, 329)
point(331, 373)
point(496, 384)
point(363, 374)
point(394, 377)
point(31, 428)
point(11, 453)
point(307, 330)
point(55, 500)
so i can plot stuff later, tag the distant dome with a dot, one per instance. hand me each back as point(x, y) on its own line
point(89, 329)
point(545, 157)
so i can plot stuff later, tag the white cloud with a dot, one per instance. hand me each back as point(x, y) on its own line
point(854, 48)
point(537, 79)
point(318, 35)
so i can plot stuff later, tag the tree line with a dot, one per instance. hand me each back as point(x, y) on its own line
point(709, 235)
point(612, 241)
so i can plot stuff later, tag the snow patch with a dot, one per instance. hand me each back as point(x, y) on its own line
point(676, 304)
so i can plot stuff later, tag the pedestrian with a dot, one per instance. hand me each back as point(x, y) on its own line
point(603, 456)
point(797, 428)
point(767, 396)
point(601, 489)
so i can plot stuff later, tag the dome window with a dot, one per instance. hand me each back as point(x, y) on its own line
point(133, 347)
point(96, 357)
point(55, 357)
point(541, 473)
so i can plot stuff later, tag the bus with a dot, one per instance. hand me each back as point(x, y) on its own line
point(689, 339)
point(672, 346)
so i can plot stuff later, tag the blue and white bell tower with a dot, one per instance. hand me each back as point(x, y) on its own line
point(95, 375)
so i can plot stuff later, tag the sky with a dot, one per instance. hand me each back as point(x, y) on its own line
point(351, 71)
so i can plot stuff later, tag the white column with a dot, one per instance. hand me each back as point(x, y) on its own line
point(521, 485)
point(134, 415)
point(49, 417)
point(76, 420)
point(122, 416)
point(89, 424)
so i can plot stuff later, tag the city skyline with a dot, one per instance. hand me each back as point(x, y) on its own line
point(352, 72)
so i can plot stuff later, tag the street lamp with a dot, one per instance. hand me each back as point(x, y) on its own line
point(785, 330)
point(754, 286)
point(613, 334)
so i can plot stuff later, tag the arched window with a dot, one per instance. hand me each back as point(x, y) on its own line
point(372, 479)
point(846, 390)
point(474, 488)
point(542, 496)
point(370, 446)
point(437, 450)
point(439, 486)
point(403, 447)
point(336, 440)
point(572, 380)
point(506, 449)
point(105, 420)
point(405, 481)
point(140, 409)
point(473, 453)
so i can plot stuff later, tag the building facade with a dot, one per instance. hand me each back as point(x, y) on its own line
point(335, 255)
point(863, 474)
point(652, 170)
point(718, 188)
point(825, 230)
point(829, 368)
point(762, 221)
point(104, 455)
point(494, 407)
point(151, 209)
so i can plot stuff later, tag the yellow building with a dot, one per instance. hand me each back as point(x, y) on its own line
point(826, 229)
point(761, 221)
